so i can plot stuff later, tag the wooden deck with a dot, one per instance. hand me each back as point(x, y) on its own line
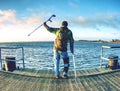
point(98, 79)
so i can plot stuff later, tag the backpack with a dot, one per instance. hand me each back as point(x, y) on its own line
point(61, 39)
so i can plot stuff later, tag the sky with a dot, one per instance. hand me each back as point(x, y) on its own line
point(87, 19)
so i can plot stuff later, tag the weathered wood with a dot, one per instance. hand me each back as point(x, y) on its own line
point(44, 80)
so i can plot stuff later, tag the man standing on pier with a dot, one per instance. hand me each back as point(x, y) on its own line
point(63, 35)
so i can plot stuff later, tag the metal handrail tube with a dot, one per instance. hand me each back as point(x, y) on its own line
point(1, 60)
point(101, 55)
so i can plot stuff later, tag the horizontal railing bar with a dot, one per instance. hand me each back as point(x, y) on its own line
point(108, 58)
point(110, 46)
point(10, 47)
point(14, 60)
point(104, 58)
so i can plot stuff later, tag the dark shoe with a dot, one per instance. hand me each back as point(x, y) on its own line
point(58, 77)
point(66, 76)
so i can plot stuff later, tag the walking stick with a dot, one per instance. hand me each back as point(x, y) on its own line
point(41, 25)
point(74, 66)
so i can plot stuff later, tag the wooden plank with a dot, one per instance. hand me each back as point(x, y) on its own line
point(101, 83)
point(93, 83)
point(87, 80)
point(107, 82)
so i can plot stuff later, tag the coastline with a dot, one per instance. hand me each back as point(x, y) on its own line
point(116, 41)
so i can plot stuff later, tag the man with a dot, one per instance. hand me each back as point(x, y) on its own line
point(63, 36)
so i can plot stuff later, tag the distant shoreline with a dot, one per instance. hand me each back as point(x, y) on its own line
point(99, 41)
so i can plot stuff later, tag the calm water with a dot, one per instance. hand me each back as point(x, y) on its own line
point(39, 55)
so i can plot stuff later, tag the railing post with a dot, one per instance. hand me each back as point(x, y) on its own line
point(101, 57)
point(0, 58)
point(23, 58)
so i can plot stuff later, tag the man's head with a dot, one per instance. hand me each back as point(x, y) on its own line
point(64, 23)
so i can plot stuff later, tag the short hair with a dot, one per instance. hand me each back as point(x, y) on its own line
point(65, 23)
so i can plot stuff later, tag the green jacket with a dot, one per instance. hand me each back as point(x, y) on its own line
point(57, 30)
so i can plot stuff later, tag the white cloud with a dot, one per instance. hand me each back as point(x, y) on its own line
point(7, 17)
point(17, 29)
point(108, 20)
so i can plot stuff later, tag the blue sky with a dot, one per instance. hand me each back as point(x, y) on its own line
point(88, 19)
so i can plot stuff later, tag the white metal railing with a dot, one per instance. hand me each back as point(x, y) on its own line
point(9, 48)
point(102, 56)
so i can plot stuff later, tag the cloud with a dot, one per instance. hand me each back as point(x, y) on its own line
point(8, 19)
point(109, 20)
point(7, 16)
point(17, 28)
point(32, 20)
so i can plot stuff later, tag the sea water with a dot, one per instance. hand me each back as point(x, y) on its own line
point(39, 55)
